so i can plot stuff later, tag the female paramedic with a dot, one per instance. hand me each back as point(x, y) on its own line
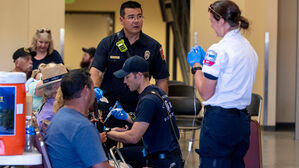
point(224, 77)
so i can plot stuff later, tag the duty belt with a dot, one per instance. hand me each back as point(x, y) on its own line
point(229, 110)
point(163, 155)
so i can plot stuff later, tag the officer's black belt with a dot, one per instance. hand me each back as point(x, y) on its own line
point(163, 155)
point(233, 111)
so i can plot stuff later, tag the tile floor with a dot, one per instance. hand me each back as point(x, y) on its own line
point(279, 149)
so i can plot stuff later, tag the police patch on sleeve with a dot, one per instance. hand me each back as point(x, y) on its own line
point(210, 58)
point(162, 53)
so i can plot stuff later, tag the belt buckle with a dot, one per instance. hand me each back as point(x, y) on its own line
point(162, 156)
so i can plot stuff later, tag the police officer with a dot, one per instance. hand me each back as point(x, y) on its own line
point(155, 121)
point(112, 52)
point(224, 77)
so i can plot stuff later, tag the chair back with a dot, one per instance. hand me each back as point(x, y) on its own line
point(182, 99)
point(180, 90)
point(253, 157)
point(40, 145)
point(254, 109)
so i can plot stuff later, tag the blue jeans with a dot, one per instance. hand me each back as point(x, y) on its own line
point(224, 138)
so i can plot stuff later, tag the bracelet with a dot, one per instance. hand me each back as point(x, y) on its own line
point(194, 69)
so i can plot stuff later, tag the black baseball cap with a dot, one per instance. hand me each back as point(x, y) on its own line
point(22, 52)
point(91, 51)
point(132, 64)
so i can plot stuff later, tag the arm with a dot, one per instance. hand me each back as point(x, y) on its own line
point(131, 136)
point(206, 87)
point(39, 92)
point(104, 164)
point(163, 84)
point(96, 76)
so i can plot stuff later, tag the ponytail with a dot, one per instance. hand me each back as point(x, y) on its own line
point(244, 24)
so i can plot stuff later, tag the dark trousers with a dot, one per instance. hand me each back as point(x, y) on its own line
point(224, 138)
point(165, 160)
point(170, 162)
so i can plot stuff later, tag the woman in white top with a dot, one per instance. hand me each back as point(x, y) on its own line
point(224, 77)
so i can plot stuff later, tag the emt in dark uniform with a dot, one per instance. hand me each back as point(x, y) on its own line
point(155, 121)
point(113, 51)
point(224, 77)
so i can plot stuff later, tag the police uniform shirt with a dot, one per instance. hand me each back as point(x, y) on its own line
point(108, 59)
point(159, 136)
point(232, 62)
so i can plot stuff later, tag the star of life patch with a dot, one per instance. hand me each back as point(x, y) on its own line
point(210, 58)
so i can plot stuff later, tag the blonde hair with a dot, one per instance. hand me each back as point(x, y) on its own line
point(42, 32)
point(38, 70)
point(59, 101)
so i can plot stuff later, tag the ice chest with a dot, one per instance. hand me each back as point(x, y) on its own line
point(12, 113)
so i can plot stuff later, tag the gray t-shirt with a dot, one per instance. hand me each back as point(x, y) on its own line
point(73, 141)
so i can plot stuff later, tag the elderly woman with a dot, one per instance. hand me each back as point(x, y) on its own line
point(51, 76)
point(42, 43)
point(36, 93)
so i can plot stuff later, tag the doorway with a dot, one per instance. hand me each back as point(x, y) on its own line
point(84, 29)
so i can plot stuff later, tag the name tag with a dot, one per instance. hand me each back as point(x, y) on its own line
point(114, 57)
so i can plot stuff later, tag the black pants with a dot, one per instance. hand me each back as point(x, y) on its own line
point(165, 160)
point(170, 162)
point(224, 138)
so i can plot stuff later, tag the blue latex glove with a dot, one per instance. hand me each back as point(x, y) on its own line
point(196, 55)
point(119, 113)
point(98, 93)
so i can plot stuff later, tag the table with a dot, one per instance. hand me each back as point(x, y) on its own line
point(28, 158)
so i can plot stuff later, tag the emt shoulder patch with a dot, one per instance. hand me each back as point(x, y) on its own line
point(162, 53)
point(210, 58)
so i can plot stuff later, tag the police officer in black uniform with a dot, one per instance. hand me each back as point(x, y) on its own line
point(155, 121)
point(112, 52)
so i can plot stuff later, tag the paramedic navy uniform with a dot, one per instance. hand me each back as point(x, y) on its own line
point(159, 137)
point(108, 59)
point(232, 62)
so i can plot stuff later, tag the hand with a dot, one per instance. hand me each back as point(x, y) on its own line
point(196, 55)
point(119, 113)
point(98, 93)
point(103, 137)
point(118, 105)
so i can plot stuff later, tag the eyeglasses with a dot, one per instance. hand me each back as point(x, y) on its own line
point(133, 17)
point(214, 12)
point(43, 30)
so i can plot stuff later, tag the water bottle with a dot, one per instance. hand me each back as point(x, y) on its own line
point(29, 137)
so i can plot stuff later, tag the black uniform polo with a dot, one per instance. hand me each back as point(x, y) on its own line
point(108, 59)
point(159, 136)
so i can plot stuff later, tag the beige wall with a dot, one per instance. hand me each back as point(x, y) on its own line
point(19, 21)
point(286, 61)
point(83, 30)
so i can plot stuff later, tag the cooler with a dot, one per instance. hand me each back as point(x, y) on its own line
point(12, 113)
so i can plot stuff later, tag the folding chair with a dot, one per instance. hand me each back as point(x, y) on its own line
point(40, 145)
point(182, 99)
point(253, 157)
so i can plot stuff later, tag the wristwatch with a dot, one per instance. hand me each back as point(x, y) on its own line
point(194, 69)
point(106, 129)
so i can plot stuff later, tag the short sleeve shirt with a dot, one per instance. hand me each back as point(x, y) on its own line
point(233, 62)
point(54, 57)
point(73, 141)
point(108, 59)
point(159, 136)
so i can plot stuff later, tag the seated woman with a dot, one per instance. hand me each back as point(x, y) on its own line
point(37, 94)
point(51, 76)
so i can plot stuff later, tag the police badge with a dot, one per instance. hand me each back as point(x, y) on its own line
point(147, 54)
